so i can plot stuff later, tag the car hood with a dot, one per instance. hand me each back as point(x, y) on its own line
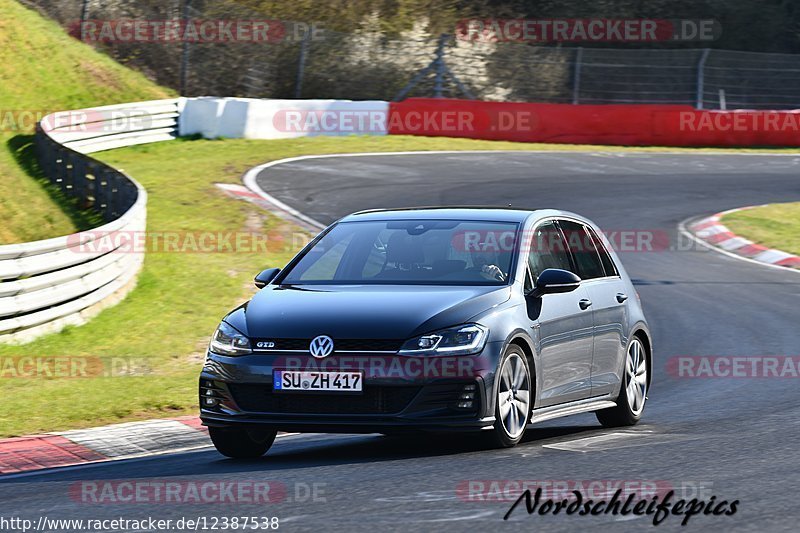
point(361, 312)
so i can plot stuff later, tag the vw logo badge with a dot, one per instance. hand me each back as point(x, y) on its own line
point(321, 346)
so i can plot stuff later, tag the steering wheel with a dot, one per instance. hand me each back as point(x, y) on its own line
point(493, 272)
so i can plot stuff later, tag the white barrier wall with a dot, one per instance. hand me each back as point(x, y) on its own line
point(281, 119)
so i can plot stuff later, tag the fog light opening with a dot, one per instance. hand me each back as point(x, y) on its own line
point(211, 394)
point(466, 398)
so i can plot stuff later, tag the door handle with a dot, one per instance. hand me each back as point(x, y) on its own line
point(621, 297)
point(585, 303)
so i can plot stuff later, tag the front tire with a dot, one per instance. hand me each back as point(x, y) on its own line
point(633, 393)
point(513, 399)
point(241, 443)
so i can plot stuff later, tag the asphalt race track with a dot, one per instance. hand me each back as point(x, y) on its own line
point(736, 438)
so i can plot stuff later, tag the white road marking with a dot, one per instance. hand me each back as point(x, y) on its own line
point(601, 442)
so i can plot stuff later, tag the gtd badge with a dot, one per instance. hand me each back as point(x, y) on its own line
point(321, 346)
point(265, 344)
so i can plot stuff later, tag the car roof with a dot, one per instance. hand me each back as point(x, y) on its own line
point(496, 214)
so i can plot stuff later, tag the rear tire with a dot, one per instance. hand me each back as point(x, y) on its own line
point(513, 399)
point(242, 443)
point(633, 392)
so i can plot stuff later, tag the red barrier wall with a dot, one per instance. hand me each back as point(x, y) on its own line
point(629, 125)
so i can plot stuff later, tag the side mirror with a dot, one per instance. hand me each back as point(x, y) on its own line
point(554, 281)
point(266, 276)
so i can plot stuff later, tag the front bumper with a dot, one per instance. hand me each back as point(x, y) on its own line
point(237, 392)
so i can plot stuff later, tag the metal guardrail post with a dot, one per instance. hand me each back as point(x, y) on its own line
point(102, 190)
point(701, 78)
point(440, 68)
point(184, 74)
point(114, 210)
point(69, 175)
point(80, 185)
point(301, 64)
point(84, 18)
point(576, 76)
point(441, 71)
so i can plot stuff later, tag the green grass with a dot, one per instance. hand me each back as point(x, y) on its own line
point(774, 225)
point(43, 70)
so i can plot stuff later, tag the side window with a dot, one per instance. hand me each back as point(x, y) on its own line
point(605, 257)
point(548, 250)
point(583, 250)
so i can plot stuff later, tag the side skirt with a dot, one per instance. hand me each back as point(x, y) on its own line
point(572, 408)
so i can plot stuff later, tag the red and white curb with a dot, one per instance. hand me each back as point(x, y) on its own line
point(712, 232)
point(271, 204)
point(119, 441)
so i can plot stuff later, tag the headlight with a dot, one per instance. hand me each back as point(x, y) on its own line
point(228, 341)
point(461, 340)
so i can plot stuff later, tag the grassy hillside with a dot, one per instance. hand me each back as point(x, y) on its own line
point(42, 69)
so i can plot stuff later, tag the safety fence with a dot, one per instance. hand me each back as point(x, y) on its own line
point(295, 59)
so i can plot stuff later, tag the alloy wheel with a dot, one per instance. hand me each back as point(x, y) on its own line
point(514, 396)
point(636, 377)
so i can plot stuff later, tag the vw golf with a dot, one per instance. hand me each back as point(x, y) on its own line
point(477, 320)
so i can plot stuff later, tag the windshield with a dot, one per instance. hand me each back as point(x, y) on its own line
point(435, 252)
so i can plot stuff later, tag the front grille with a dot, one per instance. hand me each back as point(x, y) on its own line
point(340, 345)
point(260, 398)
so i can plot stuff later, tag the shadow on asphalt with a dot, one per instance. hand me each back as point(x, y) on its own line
point(355, 449)
point(315, 450)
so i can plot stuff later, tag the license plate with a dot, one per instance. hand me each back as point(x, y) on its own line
point(292, 380)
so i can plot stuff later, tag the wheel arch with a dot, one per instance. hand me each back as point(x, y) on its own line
point(527, 348)
point(641, 332)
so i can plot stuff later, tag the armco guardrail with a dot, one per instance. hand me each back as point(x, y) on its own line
point(46, 285)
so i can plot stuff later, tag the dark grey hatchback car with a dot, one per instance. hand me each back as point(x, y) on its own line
point(436, 319)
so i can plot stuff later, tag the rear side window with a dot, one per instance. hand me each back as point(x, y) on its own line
point(583, 249)
point(548, 250)
point(605, 257)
